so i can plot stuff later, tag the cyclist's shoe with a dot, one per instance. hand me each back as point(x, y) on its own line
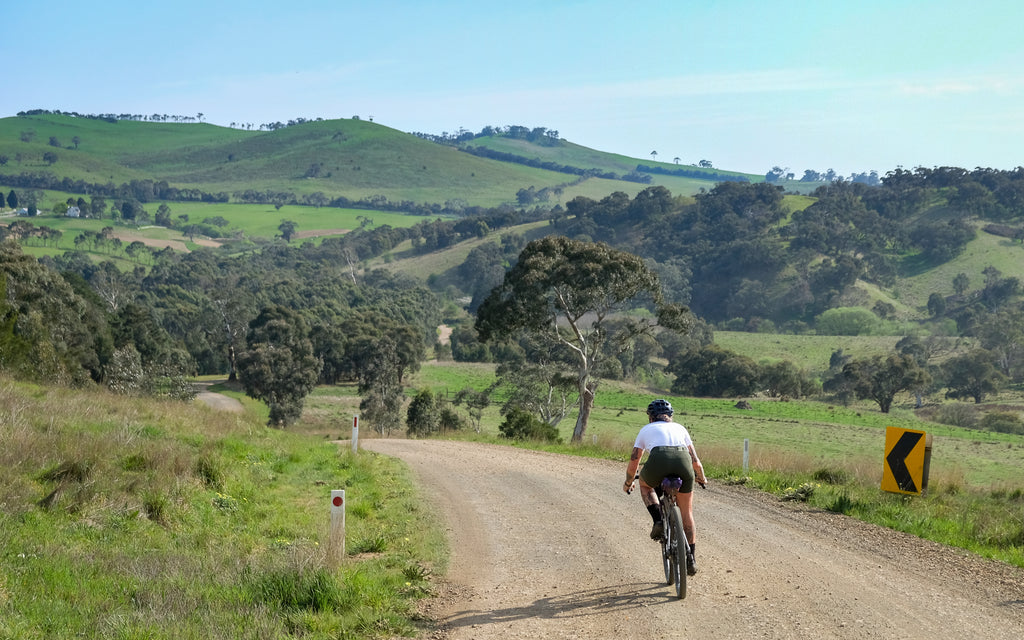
point(658, 531)
point(691, 565)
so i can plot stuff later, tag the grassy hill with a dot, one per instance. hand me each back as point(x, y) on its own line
point(355, 159)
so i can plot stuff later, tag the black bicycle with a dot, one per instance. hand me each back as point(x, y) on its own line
point(675, 550)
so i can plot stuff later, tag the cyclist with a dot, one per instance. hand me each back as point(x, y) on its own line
point(671, 452)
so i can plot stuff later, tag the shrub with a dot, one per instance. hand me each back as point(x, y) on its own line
point(831, 476)
point(957, 414)
point(522, 425)
point(450, 420)
point(422, 415)
point(847, 321)
point(1002, 422)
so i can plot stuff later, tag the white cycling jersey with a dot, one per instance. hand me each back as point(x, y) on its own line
point(662, 434)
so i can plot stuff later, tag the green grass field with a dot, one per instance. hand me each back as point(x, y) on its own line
point(352, 158)
point(810, 432)
point(249, 221)
point(809, 352)
point(984, 251)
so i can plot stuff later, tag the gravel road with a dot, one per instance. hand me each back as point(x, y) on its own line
point(218, 401)
point(548, 546)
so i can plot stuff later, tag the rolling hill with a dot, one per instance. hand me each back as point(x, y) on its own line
point(352, 159)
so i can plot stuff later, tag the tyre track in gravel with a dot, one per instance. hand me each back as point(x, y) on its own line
point(547, 546)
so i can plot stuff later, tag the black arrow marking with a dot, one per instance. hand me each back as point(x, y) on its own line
point(897, 460)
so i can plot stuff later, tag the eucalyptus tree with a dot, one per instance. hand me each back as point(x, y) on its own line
point(287, 229)
point(63, 331)
point(880, 378)
point(278, 366)
point(973, 375)
point(564, 292)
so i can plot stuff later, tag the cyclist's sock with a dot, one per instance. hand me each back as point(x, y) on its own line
point(655, 512)
point(693, 549)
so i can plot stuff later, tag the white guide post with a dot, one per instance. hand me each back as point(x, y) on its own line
point(746, 454)
point(336, 544)
point(355, 434)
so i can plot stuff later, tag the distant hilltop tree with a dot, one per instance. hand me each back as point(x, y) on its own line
point(157, 117)
point(536, 135)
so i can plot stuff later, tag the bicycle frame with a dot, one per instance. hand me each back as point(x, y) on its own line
point(674, 546)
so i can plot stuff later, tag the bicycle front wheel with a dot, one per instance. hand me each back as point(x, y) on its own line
point(678, 552)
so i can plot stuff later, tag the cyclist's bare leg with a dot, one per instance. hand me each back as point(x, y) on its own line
point(685, 503)
point(647, 493)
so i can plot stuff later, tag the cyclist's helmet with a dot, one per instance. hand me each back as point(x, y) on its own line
point(660, 407)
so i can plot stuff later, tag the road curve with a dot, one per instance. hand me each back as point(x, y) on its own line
point(548, 546)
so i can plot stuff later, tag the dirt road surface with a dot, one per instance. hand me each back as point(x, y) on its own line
point(548, 546)
point(218, 401)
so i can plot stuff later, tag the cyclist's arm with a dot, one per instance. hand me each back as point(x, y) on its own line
point(698, 468)
point(634, 463)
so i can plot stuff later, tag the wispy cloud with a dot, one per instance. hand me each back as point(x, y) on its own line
point(962, 86)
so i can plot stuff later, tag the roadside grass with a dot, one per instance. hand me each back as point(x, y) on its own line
point(124, 517)
point(827, 456)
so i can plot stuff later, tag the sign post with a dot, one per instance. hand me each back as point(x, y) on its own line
point(355, 434)
point(746, 454)
point(908, 456)
point(336, 544)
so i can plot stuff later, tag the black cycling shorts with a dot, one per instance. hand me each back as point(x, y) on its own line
point(664, 461)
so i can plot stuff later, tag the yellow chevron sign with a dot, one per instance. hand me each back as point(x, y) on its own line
point(907, 457)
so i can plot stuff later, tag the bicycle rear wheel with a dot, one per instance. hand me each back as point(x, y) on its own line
point(666, 558)
point(678, 547)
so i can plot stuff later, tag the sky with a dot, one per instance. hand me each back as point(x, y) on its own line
point(855, 87)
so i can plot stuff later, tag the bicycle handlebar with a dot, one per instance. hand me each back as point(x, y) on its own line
point(703, 485)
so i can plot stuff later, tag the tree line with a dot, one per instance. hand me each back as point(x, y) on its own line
point(279, 320)
point(685, 172)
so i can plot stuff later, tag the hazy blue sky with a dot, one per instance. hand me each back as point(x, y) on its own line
point(853, 86)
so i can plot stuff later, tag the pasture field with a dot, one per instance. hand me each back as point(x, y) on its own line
point(439, 263)
point(809, 352)
point(986, 250)
point(245, 220)
point(783, 435)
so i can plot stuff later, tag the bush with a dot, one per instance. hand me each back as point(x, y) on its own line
point(1002, 422)
point(522, 425)
point(422, 416)
point(831, 475)
point(957, 414)
point(847, 321)
point(450, 420)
